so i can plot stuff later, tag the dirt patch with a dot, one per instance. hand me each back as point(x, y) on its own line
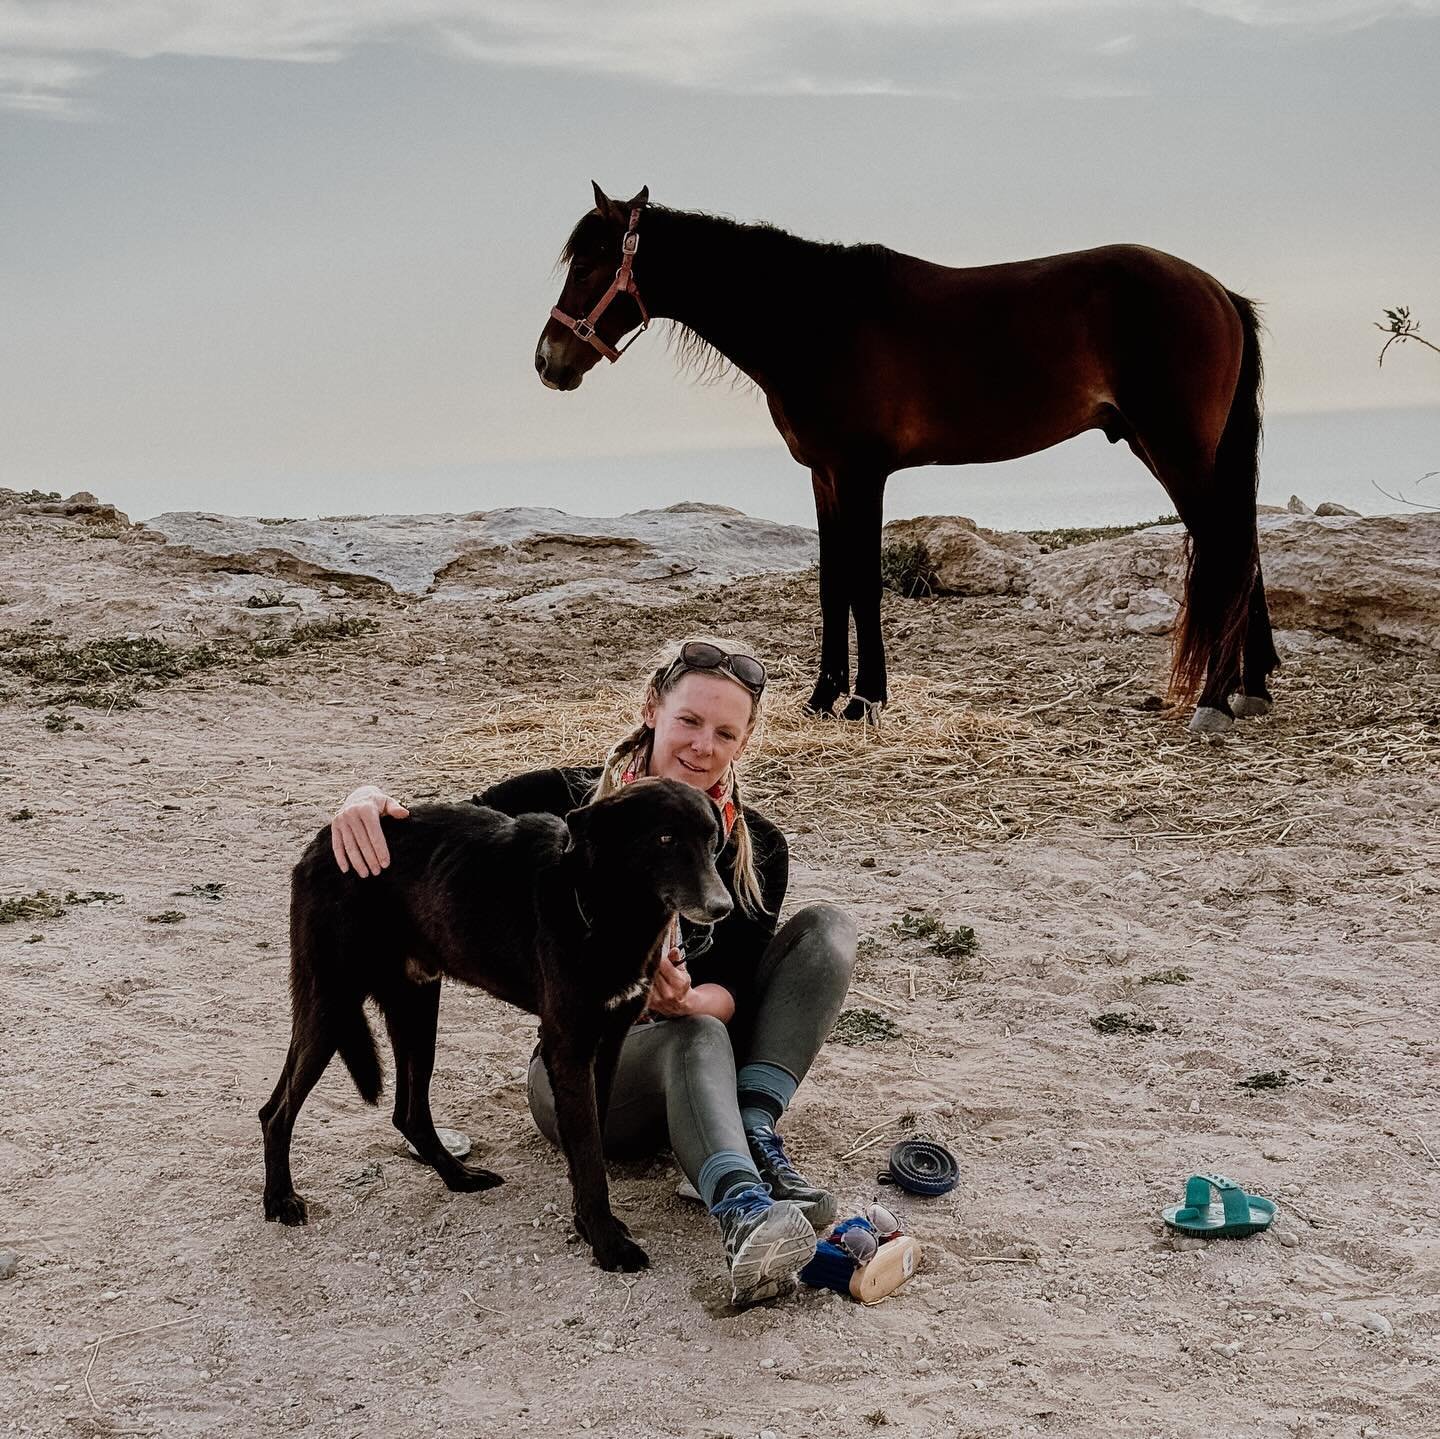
point(1021, 786)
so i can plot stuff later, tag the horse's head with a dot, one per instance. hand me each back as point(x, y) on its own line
point(600, 300)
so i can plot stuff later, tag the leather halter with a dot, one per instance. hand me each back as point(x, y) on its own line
point(623, 283)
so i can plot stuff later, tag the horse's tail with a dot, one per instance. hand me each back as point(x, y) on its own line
point(1222, 548)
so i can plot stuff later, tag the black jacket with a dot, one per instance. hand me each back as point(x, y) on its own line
point(727, 953)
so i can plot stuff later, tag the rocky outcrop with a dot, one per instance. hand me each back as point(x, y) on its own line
point(525, 556)
point(964, 559)
point(1361, 577)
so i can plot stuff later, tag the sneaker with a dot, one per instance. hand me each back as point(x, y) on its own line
point(786, 1182)
point(767, 1242)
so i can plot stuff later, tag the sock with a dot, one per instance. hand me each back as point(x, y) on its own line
point(723, 1171)
point(765, 1090)
point(759, 1116)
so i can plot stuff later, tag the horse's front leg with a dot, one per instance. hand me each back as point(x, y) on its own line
point(834, 678)
point(864, 508)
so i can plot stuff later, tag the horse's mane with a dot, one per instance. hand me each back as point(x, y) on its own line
point(785, 254)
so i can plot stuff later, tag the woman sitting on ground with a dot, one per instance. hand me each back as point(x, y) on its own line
point(738, 1010)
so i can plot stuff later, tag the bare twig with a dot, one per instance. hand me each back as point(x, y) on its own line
point(123, 1334)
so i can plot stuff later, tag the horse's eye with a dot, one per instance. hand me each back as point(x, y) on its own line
point(667, 839)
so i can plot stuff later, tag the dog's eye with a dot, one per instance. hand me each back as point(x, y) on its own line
point(667, 839)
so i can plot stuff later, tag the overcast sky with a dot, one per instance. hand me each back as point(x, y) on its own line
point(242, 240)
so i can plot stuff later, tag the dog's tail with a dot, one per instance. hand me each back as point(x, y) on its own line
point(356, 1042)
point(325, 990)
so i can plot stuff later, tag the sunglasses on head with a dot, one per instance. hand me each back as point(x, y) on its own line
point(701, 655)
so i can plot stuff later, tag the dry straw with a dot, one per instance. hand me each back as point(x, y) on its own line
point(944, 765)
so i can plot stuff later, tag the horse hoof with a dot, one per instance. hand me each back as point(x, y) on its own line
point(1251, 706)
point(866, 711)
point(1206, 720)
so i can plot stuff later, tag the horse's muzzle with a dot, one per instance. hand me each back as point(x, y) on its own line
point(553, 374)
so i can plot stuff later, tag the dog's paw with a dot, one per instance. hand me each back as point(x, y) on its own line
point(619, 1252)
point(287, 1208)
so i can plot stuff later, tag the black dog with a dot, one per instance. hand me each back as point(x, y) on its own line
point(565, 919)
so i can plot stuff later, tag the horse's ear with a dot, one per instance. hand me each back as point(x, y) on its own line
point(638, 203)
point(604, 205)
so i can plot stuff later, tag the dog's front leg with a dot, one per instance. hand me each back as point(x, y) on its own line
point(607, 1056)
point(570, 1060)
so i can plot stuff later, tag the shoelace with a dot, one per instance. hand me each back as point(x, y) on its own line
point(743, 1203)
point(773, 1148)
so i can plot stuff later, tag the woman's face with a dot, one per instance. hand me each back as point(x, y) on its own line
point(700, 724)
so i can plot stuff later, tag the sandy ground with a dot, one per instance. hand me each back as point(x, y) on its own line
point(149, 1296)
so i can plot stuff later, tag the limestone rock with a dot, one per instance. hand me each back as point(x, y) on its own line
point(1362, 577)
point(1357, 576)
point(967, 559)
point(529, 556)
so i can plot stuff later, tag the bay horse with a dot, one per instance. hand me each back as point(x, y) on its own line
point(874, 361)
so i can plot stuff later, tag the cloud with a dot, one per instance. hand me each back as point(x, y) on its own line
point(43, 84)
point(49, 52)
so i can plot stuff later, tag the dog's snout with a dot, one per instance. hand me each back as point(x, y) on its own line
point(718, 906)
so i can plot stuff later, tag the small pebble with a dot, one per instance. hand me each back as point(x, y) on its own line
point(767, 1363)
point(373, 1256)
point(1194, 1106)
point(922, 1366)
point(1326, 1317)
point(1288, 1238)
point(768, 1434)
point(1186, 1244)
point(1378, 1324)
point(1228, 1351)
point(109, 1296)
point(9, 1263)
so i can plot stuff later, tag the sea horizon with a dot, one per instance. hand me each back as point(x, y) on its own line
point(1373, 461)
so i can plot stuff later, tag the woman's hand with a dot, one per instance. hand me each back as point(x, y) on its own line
point(672, 996)
point(355, 833)
point(670, 992)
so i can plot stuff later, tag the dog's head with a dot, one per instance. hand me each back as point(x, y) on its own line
point(656, 837)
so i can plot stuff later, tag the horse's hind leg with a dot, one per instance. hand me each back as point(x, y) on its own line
point(1190, 481)
point(1260, 658)
point(412, 1015)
